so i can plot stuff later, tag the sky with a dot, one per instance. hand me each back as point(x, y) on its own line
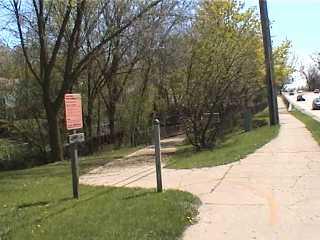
point(297, 21)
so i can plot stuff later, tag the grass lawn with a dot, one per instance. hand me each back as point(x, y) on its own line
point(263, 115)
point(312, 125)
point(36, 204)
point(234, 148)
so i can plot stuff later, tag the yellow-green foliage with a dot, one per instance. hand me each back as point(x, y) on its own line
point(282, 67)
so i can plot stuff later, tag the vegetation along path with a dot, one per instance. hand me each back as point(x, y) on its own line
point(271, 194)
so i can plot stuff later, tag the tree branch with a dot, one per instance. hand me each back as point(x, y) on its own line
point(22, 41)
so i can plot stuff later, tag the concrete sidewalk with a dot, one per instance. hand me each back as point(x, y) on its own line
point(274, 193)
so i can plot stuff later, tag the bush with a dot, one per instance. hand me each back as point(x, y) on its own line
point(20, 156)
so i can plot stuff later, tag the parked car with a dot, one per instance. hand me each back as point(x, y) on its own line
point(300, 98)
point(291, 93)
point(316, 90)
point(316, 103)
point(299, 91)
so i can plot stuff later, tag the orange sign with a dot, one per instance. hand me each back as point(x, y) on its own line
point(73, 111)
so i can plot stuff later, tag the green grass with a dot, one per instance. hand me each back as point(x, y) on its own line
point(312, 125)
point(234, 148)
point(36, 204)
point(263, 114)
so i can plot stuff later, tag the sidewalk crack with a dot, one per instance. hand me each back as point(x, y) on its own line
point(221, 179)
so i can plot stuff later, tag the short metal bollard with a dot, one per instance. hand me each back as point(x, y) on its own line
point(157, 148)
point(247, 121)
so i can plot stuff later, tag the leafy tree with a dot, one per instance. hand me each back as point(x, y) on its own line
point(224, 71)
point(282, 67)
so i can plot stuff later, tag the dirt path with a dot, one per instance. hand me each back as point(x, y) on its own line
point(132, 168)
point(271, 194)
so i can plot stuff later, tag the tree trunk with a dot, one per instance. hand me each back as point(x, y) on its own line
point(111, 116)
point(99, 123)
point(54, 135)
point(89, 124)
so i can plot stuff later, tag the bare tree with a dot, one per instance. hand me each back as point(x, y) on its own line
point(312, 76)
point(57, 34)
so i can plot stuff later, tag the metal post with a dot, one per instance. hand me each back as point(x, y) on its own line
point(247, 121)
point(75, 169)
point(272, 100)
point(157, 148)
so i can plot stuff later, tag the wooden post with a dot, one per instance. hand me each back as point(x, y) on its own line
point(75, 169)
point(272, 95)
point(73, 116)
point(157, 148)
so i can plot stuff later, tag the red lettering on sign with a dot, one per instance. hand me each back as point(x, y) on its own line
point(73, 111)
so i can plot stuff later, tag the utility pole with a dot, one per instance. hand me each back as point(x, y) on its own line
point(272, 95)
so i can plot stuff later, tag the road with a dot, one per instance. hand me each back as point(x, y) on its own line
point(305, 105)
point(272, 194)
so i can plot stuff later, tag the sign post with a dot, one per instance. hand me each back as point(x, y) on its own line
point(75, 170)
point(73, 115)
